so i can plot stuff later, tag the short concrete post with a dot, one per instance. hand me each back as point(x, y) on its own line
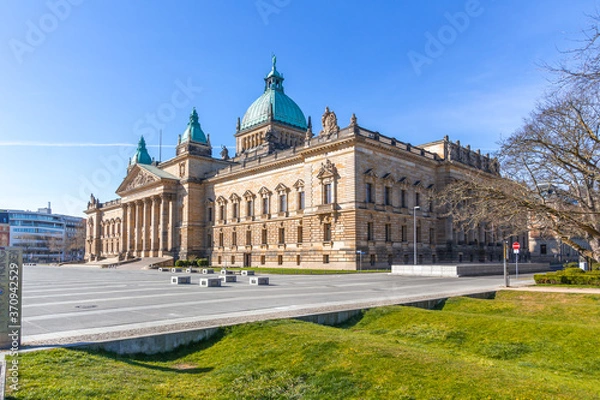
point(259, 280)
point(210, 282)
point(181, 280)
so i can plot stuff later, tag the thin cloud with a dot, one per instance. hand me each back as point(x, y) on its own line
point(53, 144)
point(44, 144)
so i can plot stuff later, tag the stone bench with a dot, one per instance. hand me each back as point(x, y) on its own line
point(161, 269)
point(175, 270)
point(191, 271)
point(226, 272)
point(210, 282)
point(181, 280)
point(246, 273)
point(228, 278)
point(259, 280)
point(207, 271)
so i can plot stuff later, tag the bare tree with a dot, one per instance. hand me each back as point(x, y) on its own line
point(55, 245)
point(550, 166)
point(75, 243)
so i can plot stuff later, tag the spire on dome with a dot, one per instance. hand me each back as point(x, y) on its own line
point(141, 155)
point(193, 132)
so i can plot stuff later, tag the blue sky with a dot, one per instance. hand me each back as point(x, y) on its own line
point(81, 80)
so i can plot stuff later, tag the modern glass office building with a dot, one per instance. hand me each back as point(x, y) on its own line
point(43, 236)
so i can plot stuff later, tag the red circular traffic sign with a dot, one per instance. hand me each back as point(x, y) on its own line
point(516, 246)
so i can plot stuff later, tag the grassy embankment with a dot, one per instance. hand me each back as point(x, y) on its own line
point(519, 345)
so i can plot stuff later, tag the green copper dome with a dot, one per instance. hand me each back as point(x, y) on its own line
point(274, 105)
point(193, 132)
point(141, 155)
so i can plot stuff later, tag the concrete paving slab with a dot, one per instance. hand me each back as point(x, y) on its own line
point(62, 306)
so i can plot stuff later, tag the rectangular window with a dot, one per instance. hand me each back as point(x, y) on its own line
point(221, 239)
point(431, 204)
point(417, 199)
point(235, 211)
point(265, 205)
point(209, 240)
point(369, 193)
point(249, 208)
point(210, 216)
point(369, 231)
point(543, 249)
point(327, 193)
point(281, 235)
point(299, 234)
point(234, 238)
point(325, 258)
point(219, 260)
point(248, 238)
point(301, 201)
point(372, 259)
point(222, 212)
point(388, 232)
point(431, 236)
point(264, 236)
point(418, 234)
point(403, 198)
point(282, 203)
point(280, 259)
point(388, 196)
point(232, 260)
point(298, 260)
point(262, 260)
point(404, 233)
point(327, 232)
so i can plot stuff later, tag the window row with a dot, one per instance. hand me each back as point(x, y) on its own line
point(388, 234)
point(282, 235)
point(403, 197)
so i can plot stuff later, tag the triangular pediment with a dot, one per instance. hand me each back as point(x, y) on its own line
point(140, 176)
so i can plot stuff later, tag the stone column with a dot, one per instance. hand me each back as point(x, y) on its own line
point(163, 231)
point(129, 228)
point(171, 230)
point(154, 227)
point(145, 229)
point(136, 229)
point(124, 236)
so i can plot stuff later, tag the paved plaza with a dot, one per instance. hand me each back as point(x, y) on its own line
point(75, 305)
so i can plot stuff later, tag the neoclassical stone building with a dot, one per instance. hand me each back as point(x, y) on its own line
point(336, 198)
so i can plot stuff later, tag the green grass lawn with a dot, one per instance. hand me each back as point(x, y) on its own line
point(518, 346)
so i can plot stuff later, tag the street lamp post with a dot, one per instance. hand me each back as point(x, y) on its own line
point(415, 208)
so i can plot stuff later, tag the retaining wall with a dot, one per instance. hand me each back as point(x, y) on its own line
point(457, 270)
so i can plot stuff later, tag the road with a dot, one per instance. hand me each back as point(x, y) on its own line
point(73, 305)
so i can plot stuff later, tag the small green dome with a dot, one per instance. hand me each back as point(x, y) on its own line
point(193, 132)
point(274, 105)
point(141, 155)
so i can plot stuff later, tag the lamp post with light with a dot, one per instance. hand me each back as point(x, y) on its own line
point(415, 208)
